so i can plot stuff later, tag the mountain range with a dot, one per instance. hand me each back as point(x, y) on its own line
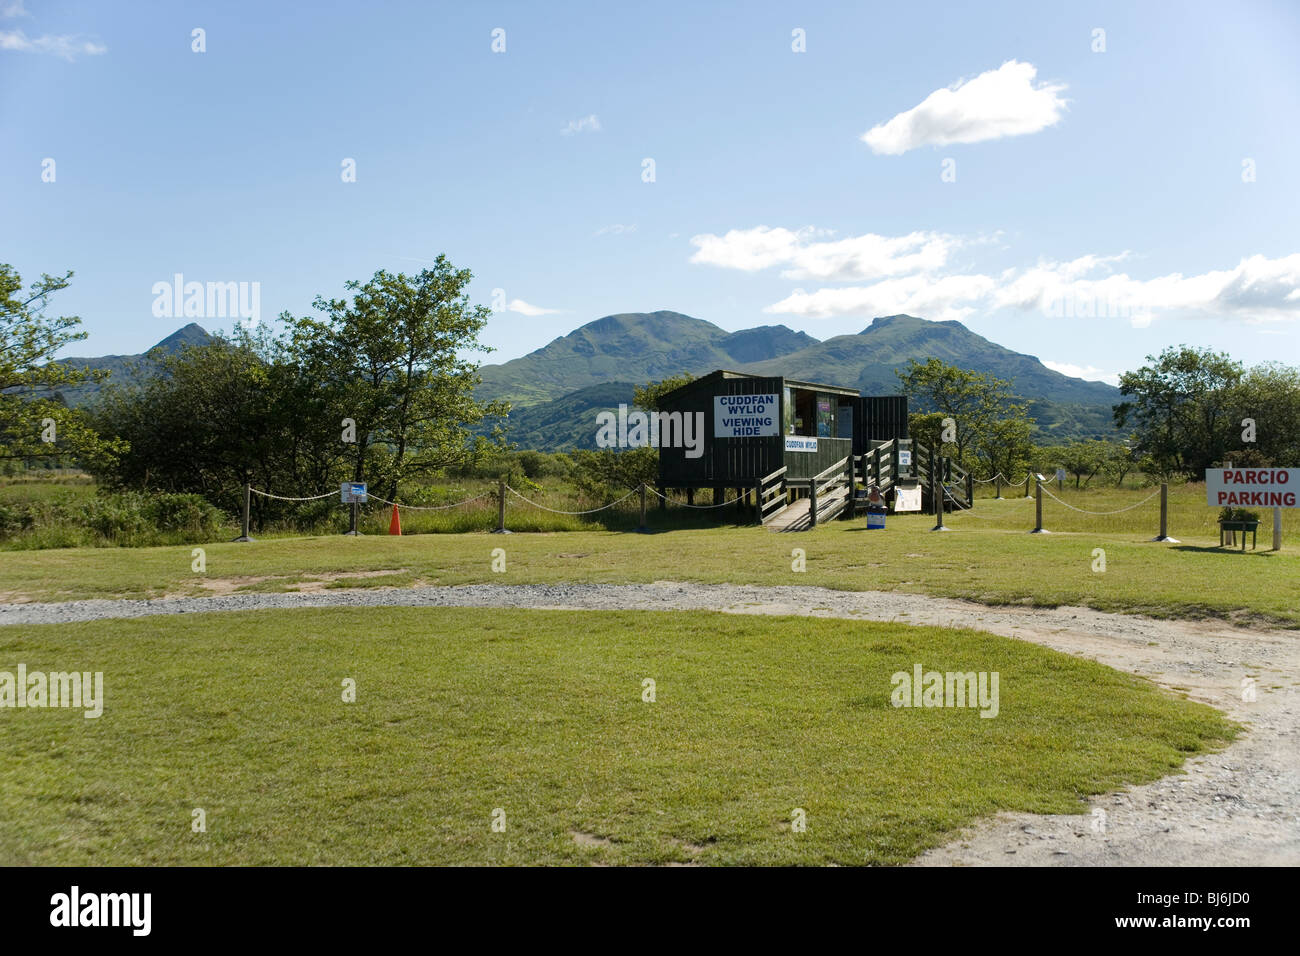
point(124, 369)
point(556, 391)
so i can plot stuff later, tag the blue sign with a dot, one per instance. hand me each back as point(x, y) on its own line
point(351, 491)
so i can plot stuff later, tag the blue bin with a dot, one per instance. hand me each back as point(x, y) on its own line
point(875, 520)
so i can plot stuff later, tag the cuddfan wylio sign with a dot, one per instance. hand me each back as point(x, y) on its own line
point(1252, 487)
point(745, 416)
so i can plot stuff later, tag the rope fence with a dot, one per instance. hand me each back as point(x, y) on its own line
point(556, 511)
point(953, 506)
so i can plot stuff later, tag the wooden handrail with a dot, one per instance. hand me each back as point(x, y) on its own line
point(838, 465)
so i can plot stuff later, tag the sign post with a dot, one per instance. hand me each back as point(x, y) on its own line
point(1275, 488)
point(352, 493)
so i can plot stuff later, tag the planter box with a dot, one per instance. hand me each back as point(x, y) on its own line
point(1232, 527)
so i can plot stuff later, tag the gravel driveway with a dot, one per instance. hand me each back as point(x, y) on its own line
point(1237, 807)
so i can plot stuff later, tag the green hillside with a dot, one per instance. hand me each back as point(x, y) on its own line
point(633, 346)
point(557, 390)
point(127, 369)
point(568, 422)
point(868, 360)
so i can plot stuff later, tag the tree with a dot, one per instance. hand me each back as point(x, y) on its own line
point(1084, 459)
point(33, 423)
point(611, 473)
point(982, 409)
point(1268, 395)
point(648, 396)
point(1181, 409)
point(390, 360)
point(1121, 459)
point(208, 420)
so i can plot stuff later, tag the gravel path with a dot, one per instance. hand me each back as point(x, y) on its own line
point(1237, 807)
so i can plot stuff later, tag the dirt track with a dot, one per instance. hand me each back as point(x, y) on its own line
point(1238, 807)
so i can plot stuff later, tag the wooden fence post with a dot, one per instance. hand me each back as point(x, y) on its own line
point(1038, 510)
point(641, 526)
point(1164, 515)
point(501, 508)
point(248, 501)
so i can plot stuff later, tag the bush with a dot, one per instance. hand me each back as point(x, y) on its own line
point(108, 519)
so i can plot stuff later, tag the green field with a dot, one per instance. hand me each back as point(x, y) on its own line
point(986, 557)
point(460, 712)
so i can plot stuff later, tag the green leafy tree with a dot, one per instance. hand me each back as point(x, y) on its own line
point(1181, 409)
point(1268, 395)
point(982, 408)
point(1084, 459)
point(390, 359)
point(647, 396)
point(610, 473)
point(34, 423)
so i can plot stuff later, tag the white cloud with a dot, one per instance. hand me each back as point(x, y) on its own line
point(589, 123)
point(1088, 372)
point(807, 256)
point(67, 46)
point(950, 297)
point(615, 229)
point(997, 103)
point(1258, 289)
point(525, 308)
point(14, 9)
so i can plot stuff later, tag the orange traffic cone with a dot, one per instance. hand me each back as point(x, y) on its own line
point(395, 523)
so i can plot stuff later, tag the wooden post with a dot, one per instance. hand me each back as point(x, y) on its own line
point(690, 496)
point(812, 504)
point(758, 501)
point(847, 513)
point(662, 496)
point(998, 483)
point(932, 477)
point(1038, 509)
point(1164, 515)
point(641, 526)
point(352, 520)
point(248, 501)
point(970, 490)
point(1277, 530)
point(1027, 477)
point(501, 508)
point(936, 492)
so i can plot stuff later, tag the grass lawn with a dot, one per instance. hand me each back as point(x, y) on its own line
point(987, 557)
point(460, 712)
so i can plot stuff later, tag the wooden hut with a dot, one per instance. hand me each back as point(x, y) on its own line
point(755, 425)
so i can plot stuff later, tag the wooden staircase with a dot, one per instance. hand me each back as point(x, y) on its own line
point(831, 494)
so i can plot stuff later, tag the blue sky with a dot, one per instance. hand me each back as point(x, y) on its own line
point(1077, 181)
